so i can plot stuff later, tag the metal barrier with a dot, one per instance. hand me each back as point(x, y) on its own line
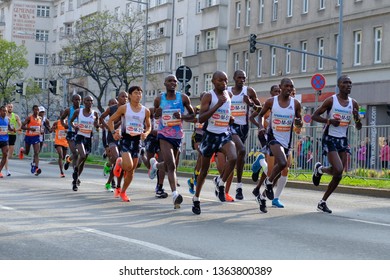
point(363, 162)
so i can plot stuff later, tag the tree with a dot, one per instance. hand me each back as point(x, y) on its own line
point(108, 49)
point(12, 63)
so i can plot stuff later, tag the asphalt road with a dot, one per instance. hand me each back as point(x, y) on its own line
point(43, 219)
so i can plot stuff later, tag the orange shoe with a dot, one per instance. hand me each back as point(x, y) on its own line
point(117, 192)
point(228, 198)
point(21, 153)
point(1, 175)
point(118, 168)
point(124, 197)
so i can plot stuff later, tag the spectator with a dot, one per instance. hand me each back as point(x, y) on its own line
point(385, 154)
point(361, 154)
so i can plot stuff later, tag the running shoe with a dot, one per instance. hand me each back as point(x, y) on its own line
point(106, 169)
point(160, 193)
point(117, 192)
point(108, 187)
point(37, 171)
point(33, 168)
point(269, 192)
point(228, 198)
point(78, 182)
point(255, 176)
point(220, 193)
point(124, 197)
point(1, 175)
point(323, 207)
point(277, 203)
point(196, 207)
point(67, 162)
point(177, 200)
point(263, 205)
point(152, 170)
point(191, 186)
point(256, 192)
point(21, 153)
point(62, 175)
point(74, 186)
point(239, 194)
point(257, 164)
point(117, 167)
point(8, 173)
point(216, 181)
point(316, 174)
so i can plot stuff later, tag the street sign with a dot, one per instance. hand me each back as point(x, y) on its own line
point(318, 81)
point(307, 118)
point(183, 74)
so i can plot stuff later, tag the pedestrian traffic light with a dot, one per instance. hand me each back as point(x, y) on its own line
point(187, 89)
point(252, 43)
point(19, 88)
point(53, 86)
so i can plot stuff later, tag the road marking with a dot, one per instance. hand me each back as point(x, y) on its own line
point(6, 208)
point(142, 243)
point(372, 223)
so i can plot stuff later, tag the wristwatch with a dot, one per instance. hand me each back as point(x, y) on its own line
point(113, 132)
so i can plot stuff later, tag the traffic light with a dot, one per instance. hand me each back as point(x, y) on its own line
point(19, 88)
point(187, 89)
point(252, 43)
point(53, 86)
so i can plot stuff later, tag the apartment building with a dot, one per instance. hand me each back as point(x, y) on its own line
point(313, 26)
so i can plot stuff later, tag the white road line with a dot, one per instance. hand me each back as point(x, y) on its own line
point(6, 208)
point(368, 222)
point(142, 243)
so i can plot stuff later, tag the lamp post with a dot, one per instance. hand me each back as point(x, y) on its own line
point(145, 45)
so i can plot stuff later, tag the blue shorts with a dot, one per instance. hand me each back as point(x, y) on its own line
point(241, 130)
point(71, 136)
point(212, 143)
point(152, 145)
point(130, 144)
point(3, 144)
point(334, 144)
point(31, 140)
point(176, 143)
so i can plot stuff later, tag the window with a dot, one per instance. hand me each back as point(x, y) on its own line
point(378, 45)
point(40, 59)
point(160, 29)
point(128, 9)
point(305, 6)
point(43, 11)
point(236, 59)
point(275, 10)
point(259, 62)
point(198, 6)
point(261, 11)
point(160, 64)
point(247, 13)
point(357, 42)
point(273, 61)
point(180, 26)
point(338, 2)
point(210, 40)
point(179, 59)
point(246, 62)
point(68, 29)
point(208, 85)
point(117, 12)
point(238, 14)
point(70, 5)
point(304, 56)
point(62, 8)
point(40, 83)
point(288, 59)
point(290, 6)
point(42, 35)
point(196, 86)
point(210, 3)
point(322, 5)
point(197, 43)
point(321, 52)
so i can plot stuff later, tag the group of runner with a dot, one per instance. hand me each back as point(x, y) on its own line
point(221, 128)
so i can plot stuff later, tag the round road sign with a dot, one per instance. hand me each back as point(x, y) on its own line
point(318, 82)
point(183, 73)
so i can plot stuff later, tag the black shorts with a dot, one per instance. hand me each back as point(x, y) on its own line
point(212, 143)
point(11, 139)
point(87, 142)
point(71, 136)
point(195, 138)
point(275, 142)
point(334, 144)
point(130, 144)
point(176, 143)
point(3, 144)
point(240, 130)
point(152, 145)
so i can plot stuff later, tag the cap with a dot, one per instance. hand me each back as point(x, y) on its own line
point(41, 109)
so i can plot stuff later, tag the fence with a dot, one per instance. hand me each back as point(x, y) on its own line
point(364, 160)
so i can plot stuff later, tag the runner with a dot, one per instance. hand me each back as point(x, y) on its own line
point(5, 128)
point(60, 143)
point(16, 123)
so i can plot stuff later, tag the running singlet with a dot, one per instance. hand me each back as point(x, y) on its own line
point(169, 126)
point(71, 112)
point(85, 123)
point(281, 122)
point(219, 121)
point(239, 108)
point(13, 123)
point(34, 123)
point(134, 121)
point(60, 137)
point(343, 114)
point(4, 129)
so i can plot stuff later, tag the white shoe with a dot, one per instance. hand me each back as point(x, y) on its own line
point(7, 173)
point(177, 200)
point(152, 170)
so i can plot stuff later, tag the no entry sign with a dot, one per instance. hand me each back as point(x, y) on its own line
point(318, 81)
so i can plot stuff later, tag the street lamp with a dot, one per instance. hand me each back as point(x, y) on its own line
point(145, 45)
